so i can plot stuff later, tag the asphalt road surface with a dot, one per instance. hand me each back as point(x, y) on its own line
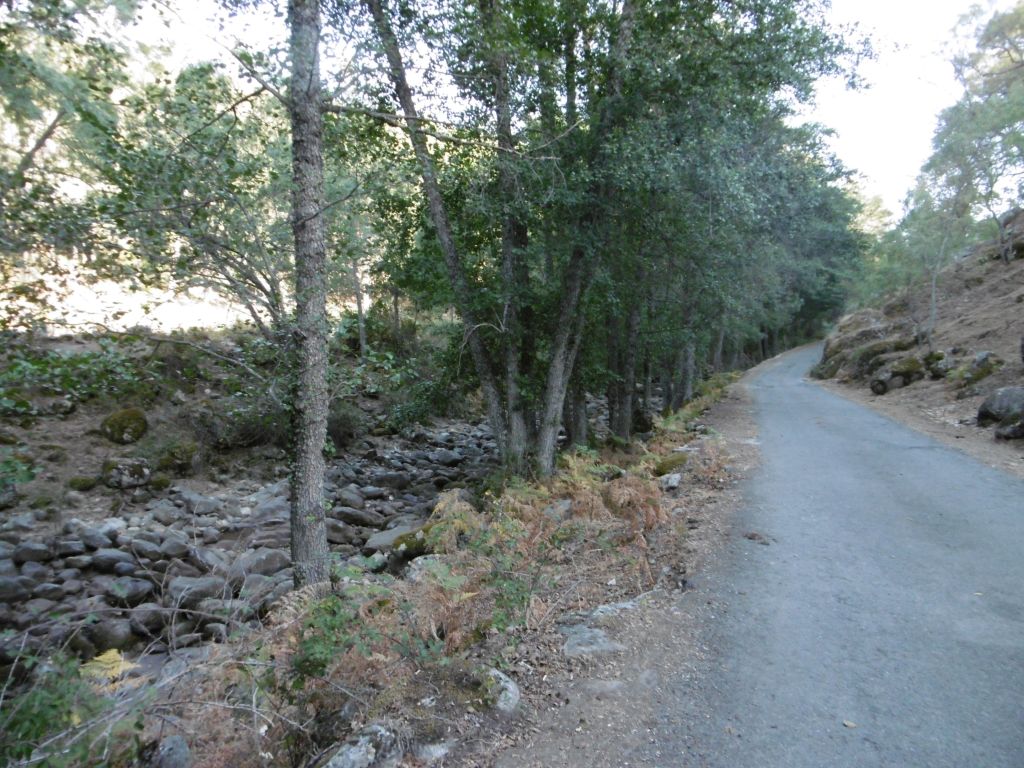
point(883, 624)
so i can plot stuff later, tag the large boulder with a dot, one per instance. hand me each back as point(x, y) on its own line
point(1003, 405)
point(125, 426)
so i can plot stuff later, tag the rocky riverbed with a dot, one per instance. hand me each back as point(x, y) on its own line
point(180, 567)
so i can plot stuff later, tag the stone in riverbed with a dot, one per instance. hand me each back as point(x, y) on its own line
point(364, 517)
point(111, 633)
point(107, 560)
point(384, 540)
point(263, 561)
point(32, 552)
point(126, 473)
point(350, 497)
point(128, 591)
point(187, 591)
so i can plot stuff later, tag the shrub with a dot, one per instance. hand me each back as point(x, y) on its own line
point(345, 423)
point(241, 421)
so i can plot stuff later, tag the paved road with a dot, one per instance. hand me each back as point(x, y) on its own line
point(891, 597)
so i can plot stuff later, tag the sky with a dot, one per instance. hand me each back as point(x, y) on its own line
point(883, 131)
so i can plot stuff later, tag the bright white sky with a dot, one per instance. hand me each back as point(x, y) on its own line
point(884, 132)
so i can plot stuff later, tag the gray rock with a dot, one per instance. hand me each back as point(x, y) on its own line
point(173, 752)
point(364, 517)
point(148, 619)
point(94, 538)
point(144, 548)
point(397, 480)
point(1004, 405)
point(13, 589)
point(165, 512)
point(106, 560)
point(445, 458)
point(503, 690)
point(385, 540)
point(72, 587)
point(128, 591)
point(111, 633)
point(671, 482)
point(49, 591)
point(198, 504)
point(263, 561)
point(126, 473)
point(350, 497)
point(187, 591)
point(175, 545)
point(79, 561)
point(581, 640)
point(69, 547)
point(32, 552)
point(374, 746)
point(373, 492)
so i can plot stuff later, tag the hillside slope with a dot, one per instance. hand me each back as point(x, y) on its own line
point(881, 358)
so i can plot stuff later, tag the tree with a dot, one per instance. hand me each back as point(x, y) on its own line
point(979, 143)
point(571, 114)
point(308, 525)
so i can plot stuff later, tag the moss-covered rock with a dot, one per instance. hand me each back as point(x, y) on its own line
point(83, 483)
point(160, 481)
point(670, 463)
point(981, 367)
point(179, 457)
point(125, 426)
point(911, 369)
point(125, 473)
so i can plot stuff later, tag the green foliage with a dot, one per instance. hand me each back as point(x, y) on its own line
point(333, 628)
point(15, 467)
point(56, 712)
point(110, 373)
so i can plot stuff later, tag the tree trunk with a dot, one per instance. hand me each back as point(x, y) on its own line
point(360, 314)
point(308, 527)
point(622, 424)
point(716, 359)
point(574, 418)
point(514, 240)
point(442, 224)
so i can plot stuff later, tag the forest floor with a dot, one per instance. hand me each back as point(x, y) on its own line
point(602, 701)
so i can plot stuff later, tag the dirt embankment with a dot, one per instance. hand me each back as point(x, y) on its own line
point(883, 359)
